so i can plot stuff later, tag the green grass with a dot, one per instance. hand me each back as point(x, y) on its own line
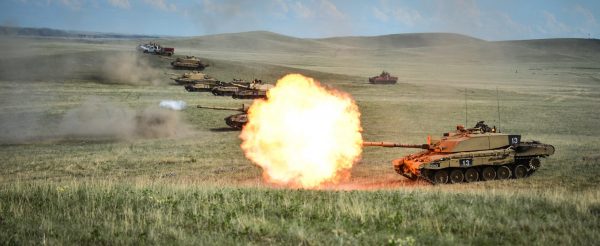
point(200, 189)
point(156, 213)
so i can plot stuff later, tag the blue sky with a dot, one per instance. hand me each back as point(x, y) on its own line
point(486, 19)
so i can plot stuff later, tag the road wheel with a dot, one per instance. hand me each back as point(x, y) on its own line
point(471, 175)
point(520, 171)
point(535, 163)
point(456, 176)
point(488, 174)
point(440, 177)
point(503, 172)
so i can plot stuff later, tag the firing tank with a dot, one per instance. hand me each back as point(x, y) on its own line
point(236, 121)
point(383, 78)
point(188, 62)
point(470, 155)
point(193, 77)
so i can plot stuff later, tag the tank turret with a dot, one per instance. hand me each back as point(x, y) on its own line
point(193, 77)
point(469, 155)
point(188, 62)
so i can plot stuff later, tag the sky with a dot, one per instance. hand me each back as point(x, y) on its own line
point(485, 19)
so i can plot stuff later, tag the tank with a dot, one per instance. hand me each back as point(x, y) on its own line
point(193, 77)
point(236, 121)
point(256, 89)
point(470, 155)
point(240, 89)
point(383, 78)
point(188, 62)
point(228, 89)
point(204, 86)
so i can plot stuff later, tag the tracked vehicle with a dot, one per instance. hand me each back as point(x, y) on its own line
point(256, 89)
point(236, 121)
point(188, 62)
point(193, 77)
point(470, 155)
point(240, 89)
point(383, 78)
point(204, 86)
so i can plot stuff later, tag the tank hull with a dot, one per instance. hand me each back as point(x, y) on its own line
point(517, 161)
point(250, 94)
point(383, 81)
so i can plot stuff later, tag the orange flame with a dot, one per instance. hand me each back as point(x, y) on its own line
point(304, 135)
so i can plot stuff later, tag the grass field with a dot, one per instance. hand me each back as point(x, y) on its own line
point(57, 187)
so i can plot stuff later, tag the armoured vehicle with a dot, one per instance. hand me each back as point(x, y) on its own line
point(470, 155)
point(188, 62)
point(383, 78)
point(204, 86)
point(193, 77)
point(228, 89)
point(256, 89)
point(236, 121)
point(240, 89)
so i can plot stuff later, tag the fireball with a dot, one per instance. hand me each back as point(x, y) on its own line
point(304, 135)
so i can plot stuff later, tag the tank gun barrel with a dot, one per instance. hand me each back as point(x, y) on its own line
point(239, 85)
point(242, 109)
point(396, 145)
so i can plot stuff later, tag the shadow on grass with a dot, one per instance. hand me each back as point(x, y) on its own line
point(224, 129)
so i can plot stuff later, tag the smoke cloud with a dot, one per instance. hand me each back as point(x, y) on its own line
point(22, 63)
point(105, 120)
point(128, 68)
point(95, 119)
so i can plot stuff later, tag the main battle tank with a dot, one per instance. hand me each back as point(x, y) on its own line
point(383, 78)
point(470, 155)
point(236, 121)
point(205, 86)
point(256, 89)
point(188, 62)
point(240, 89)
point(193, 77)
point(230, 88)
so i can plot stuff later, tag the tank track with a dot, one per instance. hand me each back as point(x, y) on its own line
point(530, 163)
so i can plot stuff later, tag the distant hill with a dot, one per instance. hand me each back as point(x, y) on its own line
point(252, 41)
point(437, 46)
point(409, 40)
point(48, 32)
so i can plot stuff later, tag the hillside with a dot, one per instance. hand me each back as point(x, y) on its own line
point(408, 40)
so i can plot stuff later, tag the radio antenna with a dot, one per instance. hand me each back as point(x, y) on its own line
point(498, 101)
point(466, 109)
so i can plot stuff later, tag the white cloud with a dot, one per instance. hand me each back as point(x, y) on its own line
point(553, 25)
point(283, 7)
point(398, 12)
point(330, 10)
point(302, 11)
point(124, 4)
point(408, 17)
point(380, 15)
point(587, 14)
point(162, 5)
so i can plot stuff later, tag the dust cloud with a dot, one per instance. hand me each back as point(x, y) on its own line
point(22, 62)
point(106, 120)
point(128, 68)
point(94, 120)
